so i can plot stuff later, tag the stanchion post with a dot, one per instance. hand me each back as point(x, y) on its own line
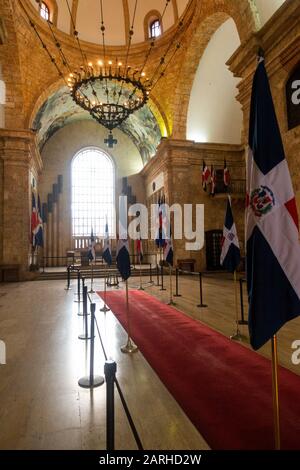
point(91, 381)
point(176, 280)
point(242, 321)
point(105, 308)
point(150, 266)
point(68, 278)
point(85, 335)
point(78, 286)
point(157, 275)
point(110, 368)
point(162, 278)
point(201, 305)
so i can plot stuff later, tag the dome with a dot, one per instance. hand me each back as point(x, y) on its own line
point(118, 16)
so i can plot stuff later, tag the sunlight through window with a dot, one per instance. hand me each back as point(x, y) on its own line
point(92, 193)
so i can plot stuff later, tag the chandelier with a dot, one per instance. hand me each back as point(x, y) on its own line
point(108, 88)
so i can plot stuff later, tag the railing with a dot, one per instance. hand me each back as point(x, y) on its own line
point(237, 186)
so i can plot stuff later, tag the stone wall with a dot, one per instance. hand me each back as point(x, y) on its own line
point(181, 165)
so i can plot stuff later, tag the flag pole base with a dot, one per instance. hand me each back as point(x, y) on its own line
point(129, 347)
point(201, 305)
point(171, 302)
point(91, 291)
point(85, 382)
point(105, 309)
point(243, 322)
point(68, 288)
point(237, 337)
point(141, 288)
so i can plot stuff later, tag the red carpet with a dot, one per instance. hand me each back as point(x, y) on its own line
point(224, 388)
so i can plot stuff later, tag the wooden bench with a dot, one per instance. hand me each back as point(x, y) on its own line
point(9, 272)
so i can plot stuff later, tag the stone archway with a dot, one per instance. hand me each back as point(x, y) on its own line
point(210, 16)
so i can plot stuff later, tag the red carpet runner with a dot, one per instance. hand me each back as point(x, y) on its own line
point(224, 388)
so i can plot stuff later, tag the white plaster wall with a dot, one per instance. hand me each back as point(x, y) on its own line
point(214, 114)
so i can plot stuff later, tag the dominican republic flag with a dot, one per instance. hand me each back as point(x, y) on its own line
point(205, 175)
point(160, 237)
point(106, 253)
point(213, 181)
point(273, 249)
point(230, 253)
point(123, 259)
point(139, 249)
point(39, 238)
point(92, 244)
point(226, 174)
point(168, 251)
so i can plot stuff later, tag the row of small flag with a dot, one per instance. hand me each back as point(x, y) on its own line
point(209, 176)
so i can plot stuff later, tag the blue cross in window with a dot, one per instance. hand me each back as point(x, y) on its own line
point(110, 141)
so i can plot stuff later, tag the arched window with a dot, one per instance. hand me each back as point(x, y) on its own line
point(155, 28)
point(93, 193)
point(44, 11)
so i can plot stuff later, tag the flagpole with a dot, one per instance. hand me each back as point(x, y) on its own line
point(171, 302)
point(105, 308)
point(130, 347)
point(237, 336)
point(141, 287)
point(275, 392)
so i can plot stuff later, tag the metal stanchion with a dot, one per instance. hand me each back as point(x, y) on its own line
point(85, 335)
point(162, 278)
point(177, 293)
point(171, 301)
point(92, 380)
point(141, 286)
point(78, 287)
point(151, 280)
point(201, 305)
point(110, 369)
point(91, 291)
point(105, 308)
point(129, 347)
point(68, 278)
point(242, 321)
point(157, 275)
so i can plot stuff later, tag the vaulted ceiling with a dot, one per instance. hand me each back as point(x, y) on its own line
point(118, 17)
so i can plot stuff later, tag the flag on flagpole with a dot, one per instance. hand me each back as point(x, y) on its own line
point(205, 175)
point(230, 253)
point(92, 244)
point(39, 239)
point(273, 250)
point(139, 249)
point(106, 253)
point(123, 259)
point(226, 174)
point(213, 181)
point(168, 251)
point(34, 220)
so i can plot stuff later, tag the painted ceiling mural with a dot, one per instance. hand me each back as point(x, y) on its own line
point(59, 110)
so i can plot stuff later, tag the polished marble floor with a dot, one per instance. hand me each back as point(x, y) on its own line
point(41, 404)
